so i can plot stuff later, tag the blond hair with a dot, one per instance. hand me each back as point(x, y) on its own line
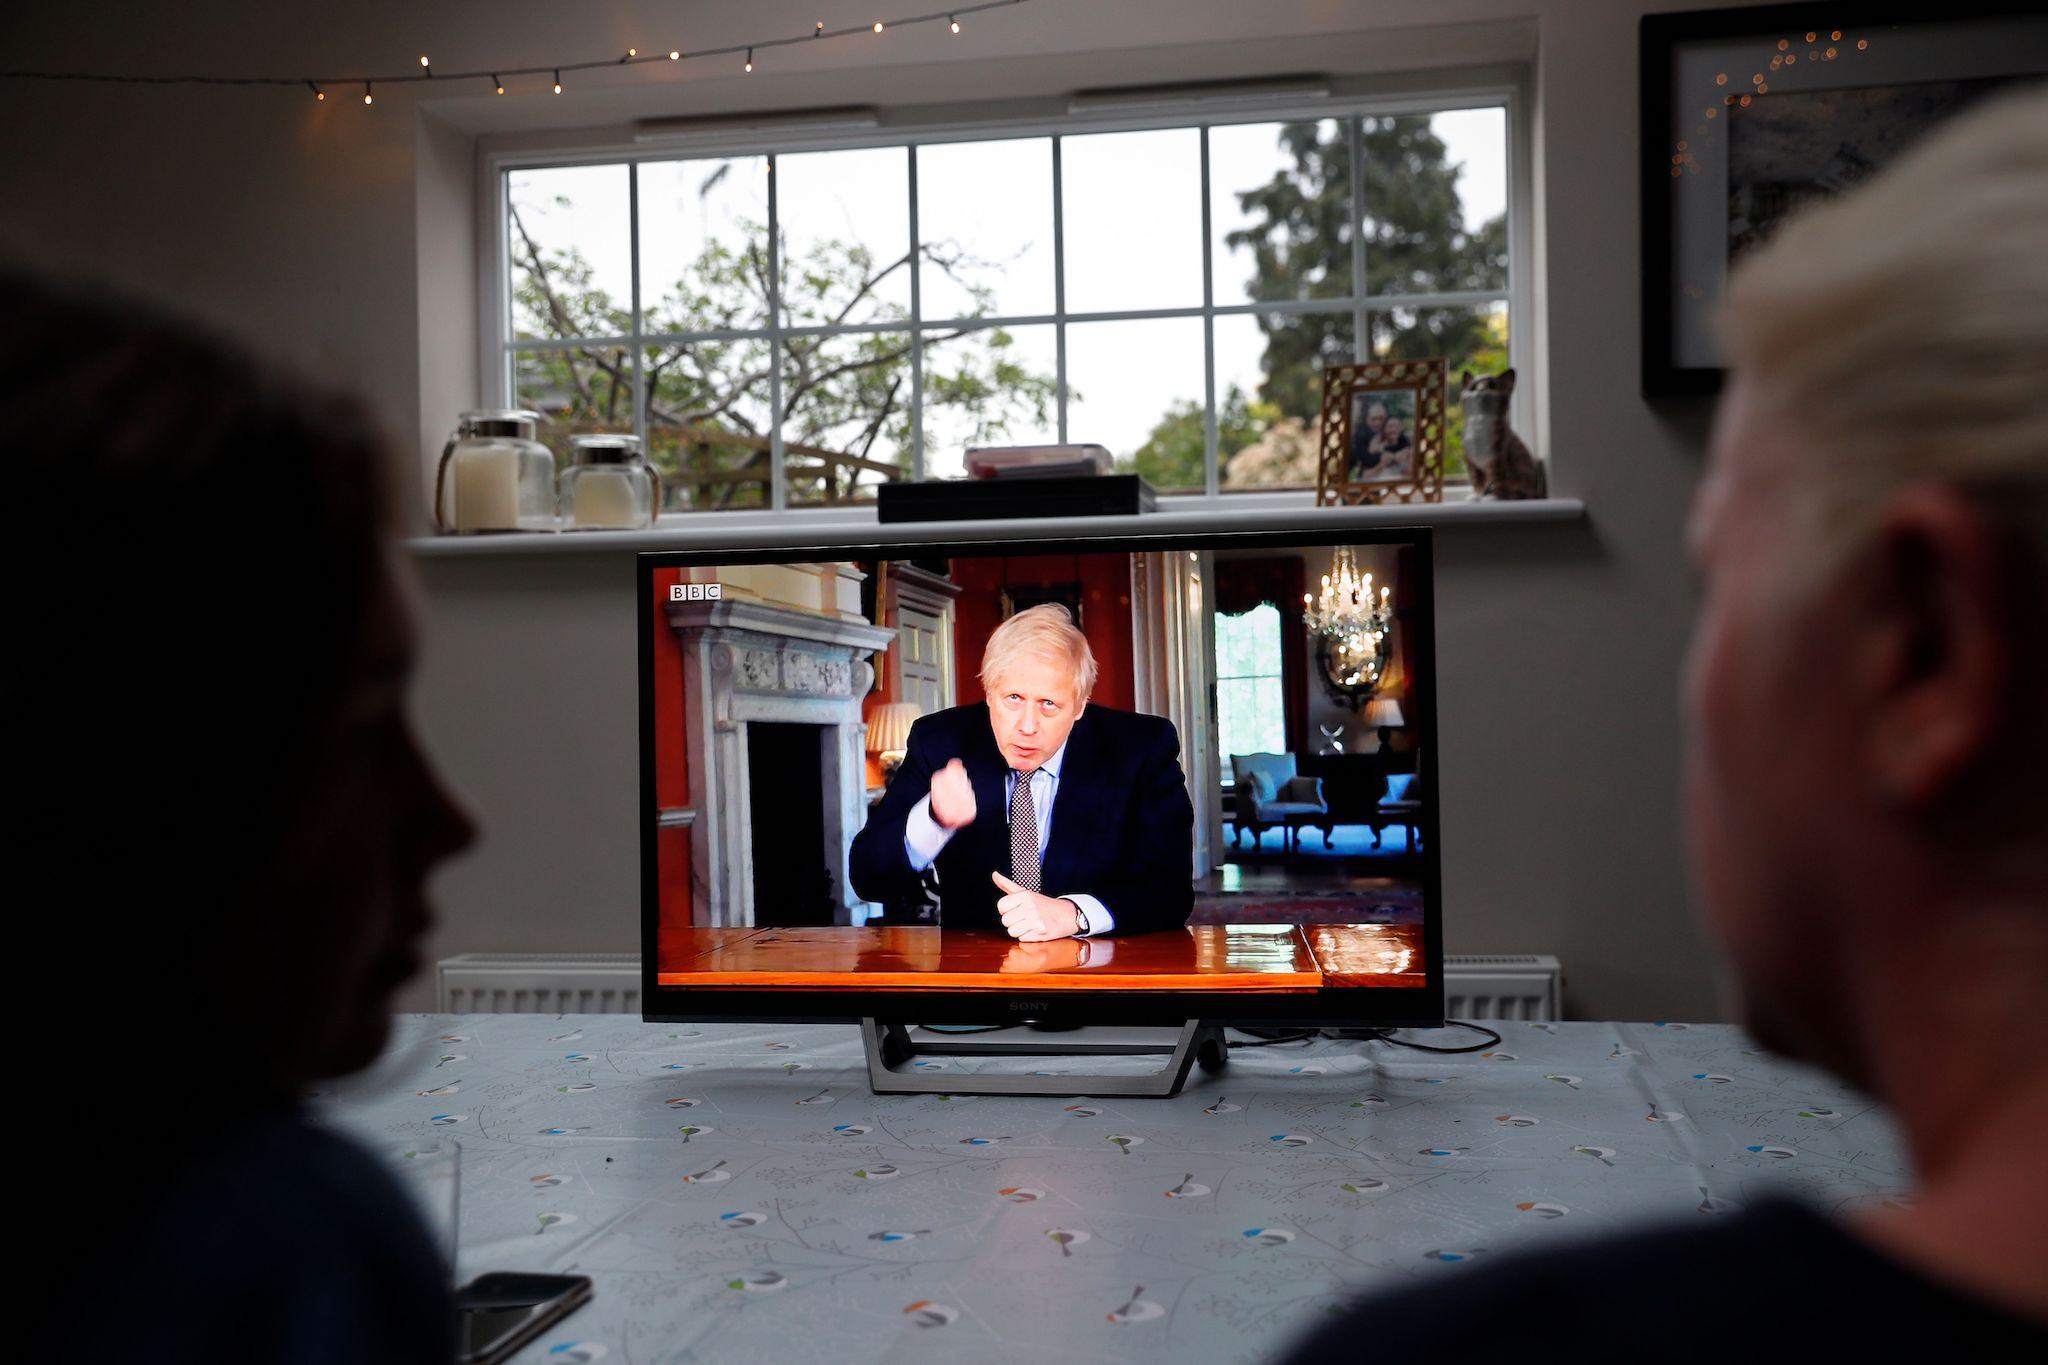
point(1046, 632)
point(1902, 332)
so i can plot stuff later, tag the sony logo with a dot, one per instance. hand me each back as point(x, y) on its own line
point(694, 592)
point(1030, 1004)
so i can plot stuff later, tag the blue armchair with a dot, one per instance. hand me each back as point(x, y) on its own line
point(1269, 792)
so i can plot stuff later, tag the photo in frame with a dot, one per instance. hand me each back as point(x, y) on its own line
point(1016, 597)
point(1749, 115)
point(1383, 433)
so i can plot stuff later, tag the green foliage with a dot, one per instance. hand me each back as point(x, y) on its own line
point(846, 398)
point(1172, 456)
point(1415, 242)
point(847, 419)
point(984, 382)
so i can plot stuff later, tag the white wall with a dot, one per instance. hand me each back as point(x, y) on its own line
point(340, 239)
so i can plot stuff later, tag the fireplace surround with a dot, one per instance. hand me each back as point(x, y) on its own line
point(748, 661)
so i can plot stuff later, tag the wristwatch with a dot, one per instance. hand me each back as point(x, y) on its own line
point(1081, 926)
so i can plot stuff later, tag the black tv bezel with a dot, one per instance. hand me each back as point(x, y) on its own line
point(1389, 1007)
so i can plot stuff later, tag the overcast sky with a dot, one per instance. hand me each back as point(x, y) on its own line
point(1132, 204)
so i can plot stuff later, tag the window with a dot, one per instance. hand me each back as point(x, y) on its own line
point(794, 328)
point(1250, 698)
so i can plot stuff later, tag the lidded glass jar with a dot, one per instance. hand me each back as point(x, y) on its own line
point(494, 475)
point(607, 486)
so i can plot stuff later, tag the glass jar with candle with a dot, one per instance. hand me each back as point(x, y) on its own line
point(607, 486)
point(494, 475)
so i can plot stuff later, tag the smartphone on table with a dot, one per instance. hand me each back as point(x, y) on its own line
point(498, 1313)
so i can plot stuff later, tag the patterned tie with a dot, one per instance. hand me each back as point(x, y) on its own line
point(1023, 834)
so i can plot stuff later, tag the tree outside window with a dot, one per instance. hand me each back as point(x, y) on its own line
point(881, 309)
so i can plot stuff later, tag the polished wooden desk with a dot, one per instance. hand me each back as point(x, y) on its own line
point(1202, 957)
point(1355, 955)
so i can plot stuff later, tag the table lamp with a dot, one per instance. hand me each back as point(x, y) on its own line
point(889, 733)
point(1384, 713)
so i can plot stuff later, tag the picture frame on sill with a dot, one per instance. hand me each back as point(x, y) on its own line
point(1383, 434)
point(1749, 115)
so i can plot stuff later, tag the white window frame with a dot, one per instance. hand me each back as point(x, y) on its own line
point(498, 346)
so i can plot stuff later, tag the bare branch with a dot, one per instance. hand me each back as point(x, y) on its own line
point(558, 312)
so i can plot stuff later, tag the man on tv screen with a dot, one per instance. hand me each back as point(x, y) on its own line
point(1041, 815)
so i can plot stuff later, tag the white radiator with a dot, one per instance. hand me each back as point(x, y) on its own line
point(538, 983)
point(1522, 987)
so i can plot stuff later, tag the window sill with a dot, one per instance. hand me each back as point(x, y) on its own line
point(825, 528)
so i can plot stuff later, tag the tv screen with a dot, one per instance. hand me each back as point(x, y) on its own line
point(1133, 780)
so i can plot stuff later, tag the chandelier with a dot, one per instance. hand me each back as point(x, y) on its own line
point(1354, 622)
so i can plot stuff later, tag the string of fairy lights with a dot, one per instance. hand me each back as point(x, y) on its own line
point(633, 56)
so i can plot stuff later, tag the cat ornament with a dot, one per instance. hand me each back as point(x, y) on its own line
point(1502, 467)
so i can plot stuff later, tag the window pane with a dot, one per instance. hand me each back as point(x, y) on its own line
point(704, 245)
point(575, 389)
point(846, 422)
point(1132, 206)
point(1280, 209)
point(1250, 705)
point(846, 236)
point(1248, 644)
point(987, 386)
point(984, 219)
point(708, 423)
point(1238, 727)
point(1467, 338)
point(1436, 194)
point(1265, 722)
point(570, 246)
point(1269, 393)
point(1137, 388)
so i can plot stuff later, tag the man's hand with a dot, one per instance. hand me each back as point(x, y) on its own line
point(1057, 956)
point(952, 796)
point(1032, 917)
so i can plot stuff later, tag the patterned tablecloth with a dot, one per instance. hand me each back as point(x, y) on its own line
point(737, 1193)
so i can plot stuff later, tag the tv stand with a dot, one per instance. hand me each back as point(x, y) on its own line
point(890, 1048)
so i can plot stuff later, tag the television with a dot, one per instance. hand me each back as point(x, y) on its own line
point(1124, 776)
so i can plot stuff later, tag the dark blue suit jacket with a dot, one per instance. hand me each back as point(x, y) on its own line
point(1122, 826)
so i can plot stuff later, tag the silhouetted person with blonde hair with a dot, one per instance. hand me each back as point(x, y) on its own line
point(1865, 794)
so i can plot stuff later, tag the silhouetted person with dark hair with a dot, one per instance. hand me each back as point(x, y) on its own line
point(1867, 739)
point(213, 768)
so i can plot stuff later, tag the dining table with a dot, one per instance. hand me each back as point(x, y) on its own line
point(736, 1192)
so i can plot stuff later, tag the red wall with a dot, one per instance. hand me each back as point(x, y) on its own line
point(671, 756)
point(878, 574)
point(1105, 581)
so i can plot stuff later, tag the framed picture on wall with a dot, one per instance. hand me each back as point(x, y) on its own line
point(1383, 433)
point(1749, 115)
point(1017, 597)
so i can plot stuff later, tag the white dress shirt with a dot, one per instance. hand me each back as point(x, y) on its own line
point(924, 837)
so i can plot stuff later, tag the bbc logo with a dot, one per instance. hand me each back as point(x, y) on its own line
point(693, 592)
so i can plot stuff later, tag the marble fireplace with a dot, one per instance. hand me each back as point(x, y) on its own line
point(783, 646)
